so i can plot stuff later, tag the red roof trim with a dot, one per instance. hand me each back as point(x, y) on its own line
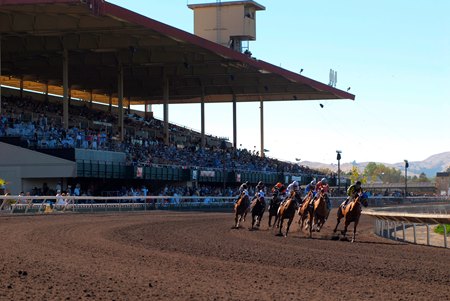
point(19, 2)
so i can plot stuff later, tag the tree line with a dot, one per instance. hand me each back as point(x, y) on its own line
point(375, 172)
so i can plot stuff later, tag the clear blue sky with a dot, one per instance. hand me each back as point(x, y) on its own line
point(395, 56)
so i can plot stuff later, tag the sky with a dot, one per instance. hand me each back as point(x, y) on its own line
point(395, 56)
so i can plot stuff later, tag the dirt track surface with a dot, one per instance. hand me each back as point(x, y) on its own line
point(197, 256)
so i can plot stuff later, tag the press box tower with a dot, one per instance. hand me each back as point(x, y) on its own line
point(227, 23)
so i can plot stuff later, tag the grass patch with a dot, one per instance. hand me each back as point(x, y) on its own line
point(440, 229)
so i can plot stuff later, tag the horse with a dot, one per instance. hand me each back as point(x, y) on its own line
point(305, 211)
point(257, 208)
point(320, 212)
point(240, 209)
point(287, 211)
point(351, 212)
point(273, 209)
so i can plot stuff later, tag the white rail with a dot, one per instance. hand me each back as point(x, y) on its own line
point(409, 224)
point(54, 204)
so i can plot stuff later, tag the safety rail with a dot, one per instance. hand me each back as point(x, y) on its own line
point(412, 223)
point(84, 204)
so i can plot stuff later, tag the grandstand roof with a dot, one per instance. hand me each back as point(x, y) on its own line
point(99, 35)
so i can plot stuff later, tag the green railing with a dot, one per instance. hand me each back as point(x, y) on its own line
point(115, 170)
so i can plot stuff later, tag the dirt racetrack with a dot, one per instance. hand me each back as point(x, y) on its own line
point(162, 255)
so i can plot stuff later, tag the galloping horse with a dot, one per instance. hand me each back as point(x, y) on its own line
point(240, 209)
point(320, 212)
point(257, 208)
point(351, 212)
point(273, 209)
point(287, 211)
point(305, 211)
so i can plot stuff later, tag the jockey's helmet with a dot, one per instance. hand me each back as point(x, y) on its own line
point(295, 183)
point(324, 181)
point(358, 183)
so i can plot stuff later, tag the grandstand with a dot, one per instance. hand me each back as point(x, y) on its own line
point(74, 129)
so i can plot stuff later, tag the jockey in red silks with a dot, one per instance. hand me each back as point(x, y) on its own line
point(322, 185)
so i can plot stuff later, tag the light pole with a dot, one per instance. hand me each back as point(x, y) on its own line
point(338, 157)
point(406, 177)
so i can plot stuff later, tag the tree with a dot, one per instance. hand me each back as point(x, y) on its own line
point(422, 178)
point(374, 171)
point(448, 169)
point(355, 175)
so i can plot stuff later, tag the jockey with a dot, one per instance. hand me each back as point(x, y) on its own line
point(352, 192)
point(261, 195)
point(242, 188)
point(291, 187)
point(279, 189)
point(322, 185)
point(260, 186)
point(310, 187)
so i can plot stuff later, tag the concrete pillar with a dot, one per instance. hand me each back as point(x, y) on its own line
point(202, 119)
point(65, 88)
point(261, 119)
point(120, 100)
point(234, 123)
point(166, 110)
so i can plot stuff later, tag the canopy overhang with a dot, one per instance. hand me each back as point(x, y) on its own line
point(100, 36)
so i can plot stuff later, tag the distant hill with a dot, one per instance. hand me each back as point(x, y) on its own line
point(430, 166)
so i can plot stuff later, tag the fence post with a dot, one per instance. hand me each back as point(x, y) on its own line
point(403, 227)
point(428, 234)
point(395, 230)
point(414, 230)
point(389, 230)
point(445, 235)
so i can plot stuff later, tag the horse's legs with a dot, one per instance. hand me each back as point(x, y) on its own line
point(344, 232)
point(354, 231)
point(288, 225)
point(337, 224)
point(280, 224)
point(270, 220)
point(236, 221)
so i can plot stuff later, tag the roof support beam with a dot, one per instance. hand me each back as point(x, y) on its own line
point(202, 118)
point(261, 119)
point(166, 109)
point(234, 123)
point(120, 99)
point(65, 88)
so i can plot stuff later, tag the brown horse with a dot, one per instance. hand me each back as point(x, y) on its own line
point(320, 212)
point(287, 211)
point(240, 210)
point(273, 209)
point(257, 208)
point(305, 211)
point(351, 212)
